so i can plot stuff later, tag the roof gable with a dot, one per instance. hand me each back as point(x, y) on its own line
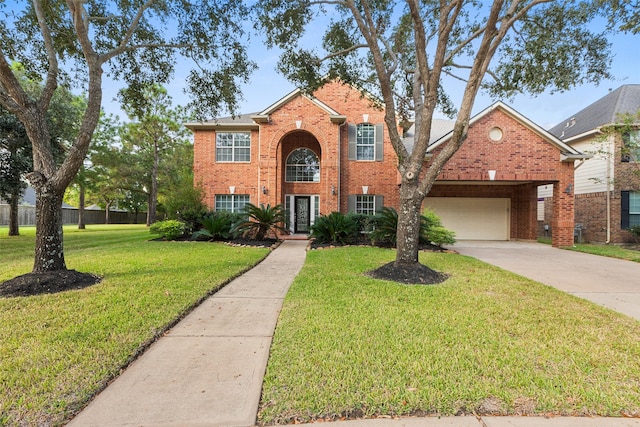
point(566, 150)
point(605, 111)
point(263, 116)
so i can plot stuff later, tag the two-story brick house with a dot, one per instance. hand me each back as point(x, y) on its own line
point(331, 152)
point(607, 187)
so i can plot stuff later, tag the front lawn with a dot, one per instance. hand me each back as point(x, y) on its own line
point(57, 350)
point(484, 341)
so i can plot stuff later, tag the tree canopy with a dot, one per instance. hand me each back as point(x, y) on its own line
point(404, 51)
point(75, 43)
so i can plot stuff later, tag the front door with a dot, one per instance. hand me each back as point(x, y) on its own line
point(301, 217)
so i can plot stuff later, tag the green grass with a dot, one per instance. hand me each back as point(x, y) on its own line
point(611, 251)
point(485, 340)
point(57, 350)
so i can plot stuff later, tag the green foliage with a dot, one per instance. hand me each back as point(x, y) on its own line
point(386, 227)
point(170, 229)
point(635, 231)
point(431, 229)
point(217, 226)
point(261, 221)
point(366, 223)
point(436, 233)
point(335, 228)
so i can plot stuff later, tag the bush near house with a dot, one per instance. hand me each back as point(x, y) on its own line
point(170, 229)
point(262, 220)
point(431, 229)
point(378, 230)
point(217, 225)
point(336, 228)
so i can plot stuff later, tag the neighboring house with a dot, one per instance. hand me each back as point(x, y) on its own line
point(331, 152)
point(607, 187)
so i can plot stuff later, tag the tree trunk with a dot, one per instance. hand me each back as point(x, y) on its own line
point(49, 254)
point(153, 197)
point(14, 229)
point(81, 223)
point(408, 231)
point(106, 213)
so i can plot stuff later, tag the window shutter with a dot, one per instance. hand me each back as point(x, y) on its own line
point(624, 210)
point(352, 141)
point(351, 205)
point(379, 142)
point(379, 203)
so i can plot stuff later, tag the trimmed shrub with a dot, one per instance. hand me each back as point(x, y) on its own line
point(217, 226)
point(335, 228)
point(436, 233)
point(431, 229)
point(170, 229)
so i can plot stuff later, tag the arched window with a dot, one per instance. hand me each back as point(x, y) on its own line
point(302, 165)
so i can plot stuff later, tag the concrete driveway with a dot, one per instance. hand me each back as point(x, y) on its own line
point(606, 281)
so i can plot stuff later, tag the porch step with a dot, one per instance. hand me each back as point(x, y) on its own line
point(293, 237)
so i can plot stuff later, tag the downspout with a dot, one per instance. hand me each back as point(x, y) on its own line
point(608, 200)
point(339, 162)
point(259, 169)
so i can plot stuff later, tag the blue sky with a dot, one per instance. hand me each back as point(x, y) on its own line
point(266, 86)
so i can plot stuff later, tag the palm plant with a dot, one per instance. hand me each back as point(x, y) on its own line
point(261, 220)
point(334, 228)
point(216, 226)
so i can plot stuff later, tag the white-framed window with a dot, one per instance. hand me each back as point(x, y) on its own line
point(233, 147)
point(302, 165)
point(366, 204)
point(631, 146)
point(231, 202)
point(366, 142)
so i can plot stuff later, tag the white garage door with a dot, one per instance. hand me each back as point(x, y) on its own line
point(473, 218)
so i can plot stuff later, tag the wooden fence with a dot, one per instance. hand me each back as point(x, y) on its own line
point(27, 216)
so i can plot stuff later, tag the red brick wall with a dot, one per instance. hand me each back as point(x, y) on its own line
point(522, 157)
point(217, 177)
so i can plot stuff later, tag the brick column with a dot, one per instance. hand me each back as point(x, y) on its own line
point(562, 221)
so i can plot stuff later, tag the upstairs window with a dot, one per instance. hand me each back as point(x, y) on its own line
point(631, 146)
point(366, 142)
point(233, 147)
point(302, 165)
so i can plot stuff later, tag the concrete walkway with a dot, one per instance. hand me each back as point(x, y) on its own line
point(610, 282)
point(208, 370)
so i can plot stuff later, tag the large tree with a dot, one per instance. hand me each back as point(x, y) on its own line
point(405, 51)
point(152, 134)
point(136, 42)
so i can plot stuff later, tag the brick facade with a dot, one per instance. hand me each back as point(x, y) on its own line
point(523, 158)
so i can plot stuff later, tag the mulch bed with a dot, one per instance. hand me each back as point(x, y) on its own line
point(49, 282)
point(412, 274)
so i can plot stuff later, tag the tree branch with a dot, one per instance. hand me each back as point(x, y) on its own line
point(51, 82)
point(122, 47)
